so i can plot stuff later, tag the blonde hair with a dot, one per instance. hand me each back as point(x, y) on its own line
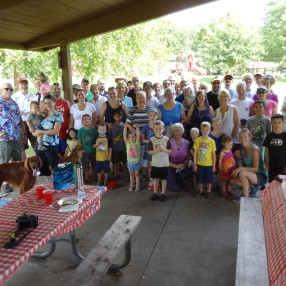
point(195, 129)
point(205, 124)
point(159, 122)
point(223, 92)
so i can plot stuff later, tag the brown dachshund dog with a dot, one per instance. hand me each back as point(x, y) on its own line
point(21, 174)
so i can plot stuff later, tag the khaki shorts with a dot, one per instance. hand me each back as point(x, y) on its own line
point(10, 151)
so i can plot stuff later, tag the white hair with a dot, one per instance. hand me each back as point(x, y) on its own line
point(178, 125)
point(241, 83)
point(170, 88)
point(140, 92)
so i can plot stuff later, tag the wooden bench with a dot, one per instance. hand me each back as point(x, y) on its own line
point(251, 265)
point(92, 269)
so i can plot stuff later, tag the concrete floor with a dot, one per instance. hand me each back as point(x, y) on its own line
point(183, 241)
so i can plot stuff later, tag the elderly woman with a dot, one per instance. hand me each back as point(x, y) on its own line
point(179, 159)
point(108, 107)
point(248, 79)
point(79, 109)
point(254, 172)
point(97, 99)
point(50, 128)
point(228, 114)
point(199, 112)
point(270, 106)
point(268, 81)
point(171, 111)
point(122, 90)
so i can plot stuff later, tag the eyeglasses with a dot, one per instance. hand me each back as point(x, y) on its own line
point(8, 89)
point(262, 91)
point(228, 78)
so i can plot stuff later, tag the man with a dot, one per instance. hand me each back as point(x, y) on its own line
point(166, 83)
point(195, 83)
point(227, 80)
point(75, 88)
point(101, 88)
point(63, 107)
point(212, 95)
point(136, 87)
point(85, 86)
point(172, 80)
point(257, 77)
point(23, 98)
point(183, 84)
point(11, 129)
point(151, 100)
point(37, 86)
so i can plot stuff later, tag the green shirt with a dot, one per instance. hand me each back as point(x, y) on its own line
point(88, 138)
point(133, 151)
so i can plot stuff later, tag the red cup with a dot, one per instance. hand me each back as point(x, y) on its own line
point(48, 196)
point(39, 191)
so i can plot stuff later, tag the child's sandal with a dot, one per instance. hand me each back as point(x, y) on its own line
point(131, 189)
point(223, 193)
point(137, 189)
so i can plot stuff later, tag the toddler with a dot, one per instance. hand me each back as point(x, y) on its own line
point(189, 98)
point(45, 87)
point(72, 141)
point(226, 164)
point(132, 142)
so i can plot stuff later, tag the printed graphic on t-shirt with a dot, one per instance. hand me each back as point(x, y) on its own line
point(132, 152)
point(102, 145)
point(276, 142)
point(202, 151)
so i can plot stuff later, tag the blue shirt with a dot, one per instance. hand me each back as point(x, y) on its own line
point(48, 124)
point(128, 102)
point(180, 98)
point(171, 116)
point(217, 141)
point(10, 118)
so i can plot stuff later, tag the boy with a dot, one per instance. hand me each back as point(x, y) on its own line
point(204, 159)
point(118, 144)
point(34, 120)
point(103, 154)
point(146, 133)
point(275, 148)
point(87, 136)
point(160, 148)
point(259, 125)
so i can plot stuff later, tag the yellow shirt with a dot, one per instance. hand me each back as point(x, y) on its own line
point(205, 149)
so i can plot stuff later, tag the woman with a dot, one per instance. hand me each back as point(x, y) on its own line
point(268, 81)
point(171, 111)
point(179, 159)
point(270, 105)
point(157, 87)
point(51, 126)
point(254, 173)
point(228, 114)
point(79, 109)
point(107, 108)
point(199, 112)
point(97, 99)
point(122, 90)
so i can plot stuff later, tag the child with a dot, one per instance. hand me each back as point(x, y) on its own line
point(118, 146)
point(189, 98)
point(45, 87)
point(195, 133)
point(204, 159)
point(259, 125)
point(275, 148)
point(216, 135)
point(132, 142)
point(103, 154)
point(146, 133)
point(72, 141)
point(87, 136)
point(226, 164)
point(159, 147)
point(34, 120)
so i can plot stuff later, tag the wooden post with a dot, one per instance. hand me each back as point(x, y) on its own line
point(65, 65)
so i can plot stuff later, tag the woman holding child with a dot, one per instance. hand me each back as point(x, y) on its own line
point(178, 159)
point(254, 172)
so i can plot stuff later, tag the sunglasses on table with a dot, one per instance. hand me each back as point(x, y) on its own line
point(8, 89)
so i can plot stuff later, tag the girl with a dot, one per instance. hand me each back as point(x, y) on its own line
point(216, 134)
point(45, 87)
point(72, 141)
point(226, 164)
point(132, 141)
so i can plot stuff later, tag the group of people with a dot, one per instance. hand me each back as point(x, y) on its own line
point(167, 132)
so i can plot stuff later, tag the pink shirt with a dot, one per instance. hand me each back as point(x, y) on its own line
point(271, 96)
point(178, 155)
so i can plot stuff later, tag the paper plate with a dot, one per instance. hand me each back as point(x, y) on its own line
point(69, 201)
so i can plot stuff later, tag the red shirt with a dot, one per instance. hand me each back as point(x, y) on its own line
point(63, 108)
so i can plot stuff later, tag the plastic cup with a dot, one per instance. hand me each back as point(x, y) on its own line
point(48, 196)
point(39, 191)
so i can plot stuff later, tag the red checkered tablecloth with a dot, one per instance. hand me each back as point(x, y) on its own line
point(51, 223)
point(274, 219)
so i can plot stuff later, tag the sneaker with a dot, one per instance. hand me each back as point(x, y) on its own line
point(7, 189)
point(42, 148)
point(198, 194)
point(210, 196)
point(253, 191)
point(154, 197)
point(151, 186)
point(162, 198)
point(237, 200)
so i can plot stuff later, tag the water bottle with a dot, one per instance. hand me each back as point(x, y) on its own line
point(63, 176)
point(78, 178)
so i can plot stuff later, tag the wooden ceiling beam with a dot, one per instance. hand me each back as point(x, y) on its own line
point(136, 13)
point(8, 4)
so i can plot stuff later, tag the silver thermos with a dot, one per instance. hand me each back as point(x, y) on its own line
point(78, 176)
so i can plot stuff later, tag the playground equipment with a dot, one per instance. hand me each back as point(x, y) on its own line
point(187, 63)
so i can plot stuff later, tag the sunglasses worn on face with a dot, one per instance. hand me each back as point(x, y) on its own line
point(228, 78)
point(216, 82)
point(8, 89)
point(262, 91)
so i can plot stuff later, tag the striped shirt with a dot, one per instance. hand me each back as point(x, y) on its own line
point(136, 115)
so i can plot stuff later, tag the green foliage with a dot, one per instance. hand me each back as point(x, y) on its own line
point(226, 44)
point(273, 32)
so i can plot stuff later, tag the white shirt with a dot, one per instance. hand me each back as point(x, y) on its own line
point(227, 120)
point(242, 106)
point(98, 104)
point(77, 114)
point(153, 102)
point(23, 101)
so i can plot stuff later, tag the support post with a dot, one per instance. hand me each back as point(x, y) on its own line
point(65, 65)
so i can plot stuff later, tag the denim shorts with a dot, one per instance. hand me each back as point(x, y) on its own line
point(102, 165)
point(204, 174)
point(133, 166)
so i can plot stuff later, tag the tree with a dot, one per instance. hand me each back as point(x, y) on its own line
point(273, 32)
point(226, 44)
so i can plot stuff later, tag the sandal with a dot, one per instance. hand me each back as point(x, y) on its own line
point(137, 189)
point(131, 189)
point(144, 178)
point(223, 193)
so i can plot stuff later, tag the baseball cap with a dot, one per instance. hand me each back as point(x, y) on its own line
point(153, 110)
point(228, 75)
point(85, 80)
point(22, 80)
point(148, 83)
point(215, 78)
point(261, 87)
point(77, 86)
point(258, 73)
point(121, 77)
